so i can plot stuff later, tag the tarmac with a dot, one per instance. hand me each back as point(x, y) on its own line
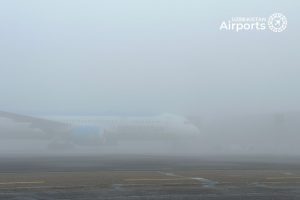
point(148, 177)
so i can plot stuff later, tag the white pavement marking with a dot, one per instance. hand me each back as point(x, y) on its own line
point(22, 182)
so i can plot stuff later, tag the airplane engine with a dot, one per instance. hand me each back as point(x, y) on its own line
point(87, 135)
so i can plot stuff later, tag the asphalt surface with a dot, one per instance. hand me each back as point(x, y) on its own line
point(148, 177)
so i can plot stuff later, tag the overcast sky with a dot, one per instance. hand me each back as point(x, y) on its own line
point(140, 56)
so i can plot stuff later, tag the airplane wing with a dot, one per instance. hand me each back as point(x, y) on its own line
point(51, 128)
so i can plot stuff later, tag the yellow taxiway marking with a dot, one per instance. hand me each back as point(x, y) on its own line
point(156, 179)
point(22, 182)
point(288, 177)
point(278, 182)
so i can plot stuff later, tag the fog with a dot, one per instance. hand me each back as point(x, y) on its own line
point(149, 77)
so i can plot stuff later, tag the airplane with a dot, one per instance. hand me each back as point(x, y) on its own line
point(65, 131)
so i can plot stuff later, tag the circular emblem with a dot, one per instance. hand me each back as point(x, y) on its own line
point(277, 22)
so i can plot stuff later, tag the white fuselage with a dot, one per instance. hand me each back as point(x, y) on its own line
point(89, 129)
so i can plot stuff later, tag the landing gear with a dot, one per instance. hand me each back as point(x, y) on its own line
point(60, 146)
